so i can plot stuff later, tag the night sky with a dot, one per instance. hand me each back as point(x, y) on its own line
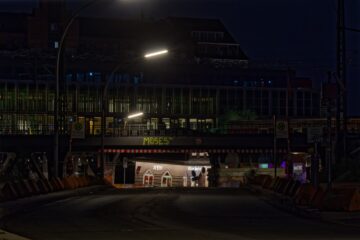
point(300, 33)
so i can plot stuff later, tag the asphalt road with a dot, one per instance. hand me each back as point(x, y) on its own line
point(112, 214)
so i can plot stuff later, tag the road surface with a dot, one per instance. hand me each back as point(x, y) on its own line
point(174, 214)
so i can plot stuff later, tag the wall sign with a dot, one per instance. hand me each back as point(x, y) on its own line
point(157, 140)
point(282, 129)
point(157, 167)
point(78, 130)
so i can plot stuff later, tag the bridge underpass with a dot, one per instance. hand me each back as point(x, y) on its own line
point(174, 143)
point(246, 148)
point(89, 149)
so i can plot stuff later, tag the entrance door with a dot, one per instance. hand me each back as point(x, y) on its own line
point(166, 180)
point(148, 179)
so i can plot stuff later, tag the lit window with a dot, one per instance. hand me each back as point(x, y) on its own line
point(56, 44)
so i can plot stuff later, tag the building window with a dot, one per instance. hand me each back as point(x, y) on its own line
point(69, 77)
point(80, 77)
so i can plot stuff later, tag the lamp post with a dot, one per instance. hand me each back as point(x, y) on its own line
point(125, 160)
point(104, 104)
point(57, 81)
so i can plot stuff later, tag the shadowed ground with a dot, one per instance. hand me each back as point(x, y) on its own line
point(171, 214)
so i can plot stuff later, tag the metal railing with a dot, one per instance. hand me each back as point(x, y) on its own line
point(144, 130)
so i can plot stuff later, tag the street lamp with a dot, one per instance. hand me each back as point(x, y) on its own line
point(104, 104)
point(57, 81)
point(135, 115)
point(157, 53)
point(131, 116)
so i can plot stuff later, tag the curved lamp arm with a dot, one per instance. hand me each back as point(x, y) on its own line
point(57, 80)
point(64, 35)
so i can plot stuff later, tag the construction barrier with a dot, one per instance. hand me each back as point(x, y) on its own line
point(74, 182)
point(8, 192)
point(77, 181)
point(294, 188)
point(288, 187)
point(305, 194)
point(31, 187)
point(49, 185)
point(273, 183)
point(42, 186)
point(57, 184)
point(20, 189)
point(342, 199)
point(128, 186)
point(277, 183)
point(108, 180)
point(267, 182)
point(26, 185)
point(258, 179)
point(318, 199)
point(82, 181)
point(69, 183)
point(34, 186)
point(281, 186)
point(87, 181)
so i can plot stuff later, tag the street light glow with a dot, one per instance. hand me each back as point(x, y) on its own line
point(149, 55)
point(135, 115)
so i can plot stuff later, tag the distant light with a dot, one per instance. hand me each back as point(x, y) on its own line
point(148, 55)
point(135, 115)
point(264, 165)
point(90, 73)
point(297, 153)
point(56, 44)
point(283, 164)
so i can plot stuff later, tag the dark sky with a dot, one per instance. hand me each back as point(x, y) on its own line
point(298, 32)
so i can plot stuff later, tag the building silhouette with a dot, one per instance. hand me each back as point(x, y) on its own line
point(205, 75)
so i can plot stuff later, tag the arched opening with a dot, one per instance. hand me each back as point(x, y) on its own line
point(166, 180)
point(148, 179)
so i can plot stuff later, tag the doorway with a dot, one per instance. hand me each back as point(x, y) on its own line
point(148, 179)
point(166, 180)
